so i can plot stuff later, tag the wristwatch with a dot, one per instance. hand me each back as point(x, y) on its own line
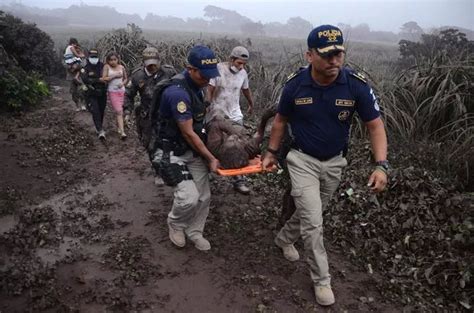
point(383, 165)
point(272, 151)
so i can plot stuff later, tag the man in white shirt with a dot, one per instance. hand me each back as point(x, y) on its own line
point(223, 93)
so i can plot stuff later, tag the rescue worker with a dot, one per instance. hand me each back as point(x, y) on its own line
point(318, 102)
point(143, 81)
point(181, 156)
point(224, 94)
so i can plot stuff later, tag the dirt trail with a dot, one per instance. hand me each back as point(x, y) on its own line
point(83, 229)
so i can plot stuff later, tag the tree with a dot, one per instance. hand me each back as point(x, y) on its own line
point(411, 31)
point(252, 29)
point(298, 27)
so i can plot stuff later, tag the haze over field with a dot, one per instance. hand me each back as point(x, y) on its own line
point(379, 15)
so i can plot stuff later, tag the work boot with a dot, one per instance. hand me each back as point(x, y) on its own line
point(201, 243)
point(177, 237)
point(242, 188)
point(324, 295)
point(289, 251)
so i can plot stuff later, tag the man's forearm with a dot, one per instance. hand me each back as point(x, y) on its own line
point(197, 145)
point(248, 95)
point(378, 139)
point(278, 128)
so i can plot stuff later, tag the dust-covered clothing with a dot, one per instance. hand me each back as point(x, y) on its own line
point(143, 84)
point(312, 184)
point(191, 197)
point(76, 94)
point(227, 90)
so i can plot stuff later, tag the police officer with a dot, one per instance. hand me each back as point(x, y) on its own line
point(95, 90)
point(181, 158)
point(143, 81)
point(318, 102)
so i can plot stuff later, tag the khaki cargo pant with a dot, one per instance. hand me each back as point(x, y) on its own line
point(191, 197)
point(312, 184)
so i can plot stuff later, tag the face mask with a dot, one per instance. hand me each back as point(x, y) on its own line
point(234, 69)
point(93, 61)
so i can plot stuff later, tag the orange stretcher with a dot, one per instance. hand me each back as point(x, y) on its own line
point(255, 166)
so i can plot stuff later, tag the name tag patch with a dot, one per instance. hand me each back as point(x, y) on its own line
point(302, 101)
point(345, 103)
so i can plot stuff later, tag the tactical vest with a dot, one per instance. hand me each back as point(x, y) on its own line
point(165, 131)
point(145, 85)
point(90, 75)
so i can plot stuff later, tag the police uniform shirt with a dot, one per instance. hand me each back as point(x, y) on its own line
point(320, 116)
point(176, 102)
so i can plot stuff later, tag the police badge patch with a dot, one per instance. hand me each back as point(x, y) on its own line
point(181, 107)
point(343, 115)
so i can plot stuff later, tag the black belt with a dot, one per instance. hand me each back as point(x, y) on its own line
point(294, 146)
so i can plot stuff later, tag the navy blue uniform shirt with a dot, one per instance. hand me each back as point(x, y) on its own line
point(176, 102)
point(320, 116)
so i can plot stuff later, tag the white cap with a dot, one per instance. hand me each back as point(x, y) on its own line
point(240, 52)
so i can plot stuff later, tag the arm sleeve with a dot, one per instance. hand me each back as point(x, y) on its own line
point(245, 84)
point(130, 93)
point(285, 106)
point(366, 103)
point(178, 102)
point(213, 82)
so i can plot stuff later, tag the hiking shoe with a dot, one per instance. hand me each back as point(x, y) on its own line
point(123, 136)
point(101, 135)
point(324, 295)
point(201, 243)
point(177, 237)
point(289, 251)
point(83, 108)
point(242, 188)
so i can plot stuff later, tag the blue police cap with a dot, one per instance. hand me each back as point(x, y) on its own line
point(326, 39)
point(205, 60)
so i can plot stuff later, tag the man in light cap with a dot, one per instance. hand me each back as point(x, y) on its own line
point(319, 101)
point(180, 154)
point(223, 93)
point(143, 82)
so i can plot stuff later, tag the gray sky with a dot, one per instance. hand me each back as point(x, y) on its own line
point(379, 14)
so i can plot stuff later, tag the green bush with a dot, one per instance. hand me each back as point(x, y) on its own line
point(29, 46)
point(19, 89)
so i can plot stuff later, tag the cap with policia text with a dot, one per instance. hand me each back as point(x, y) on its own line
point(326, 39)
point(205, 60)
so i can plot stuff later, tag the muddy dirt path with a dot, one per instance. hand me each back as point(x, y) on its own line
point(83, 229)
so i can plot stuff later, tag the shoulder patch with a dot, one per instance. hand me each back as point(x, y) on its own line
point(294, 74)
point(181, 107)
point(359, 76)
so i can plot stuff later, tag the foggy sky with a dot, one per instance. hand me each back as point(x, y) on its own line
point(379, 14)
